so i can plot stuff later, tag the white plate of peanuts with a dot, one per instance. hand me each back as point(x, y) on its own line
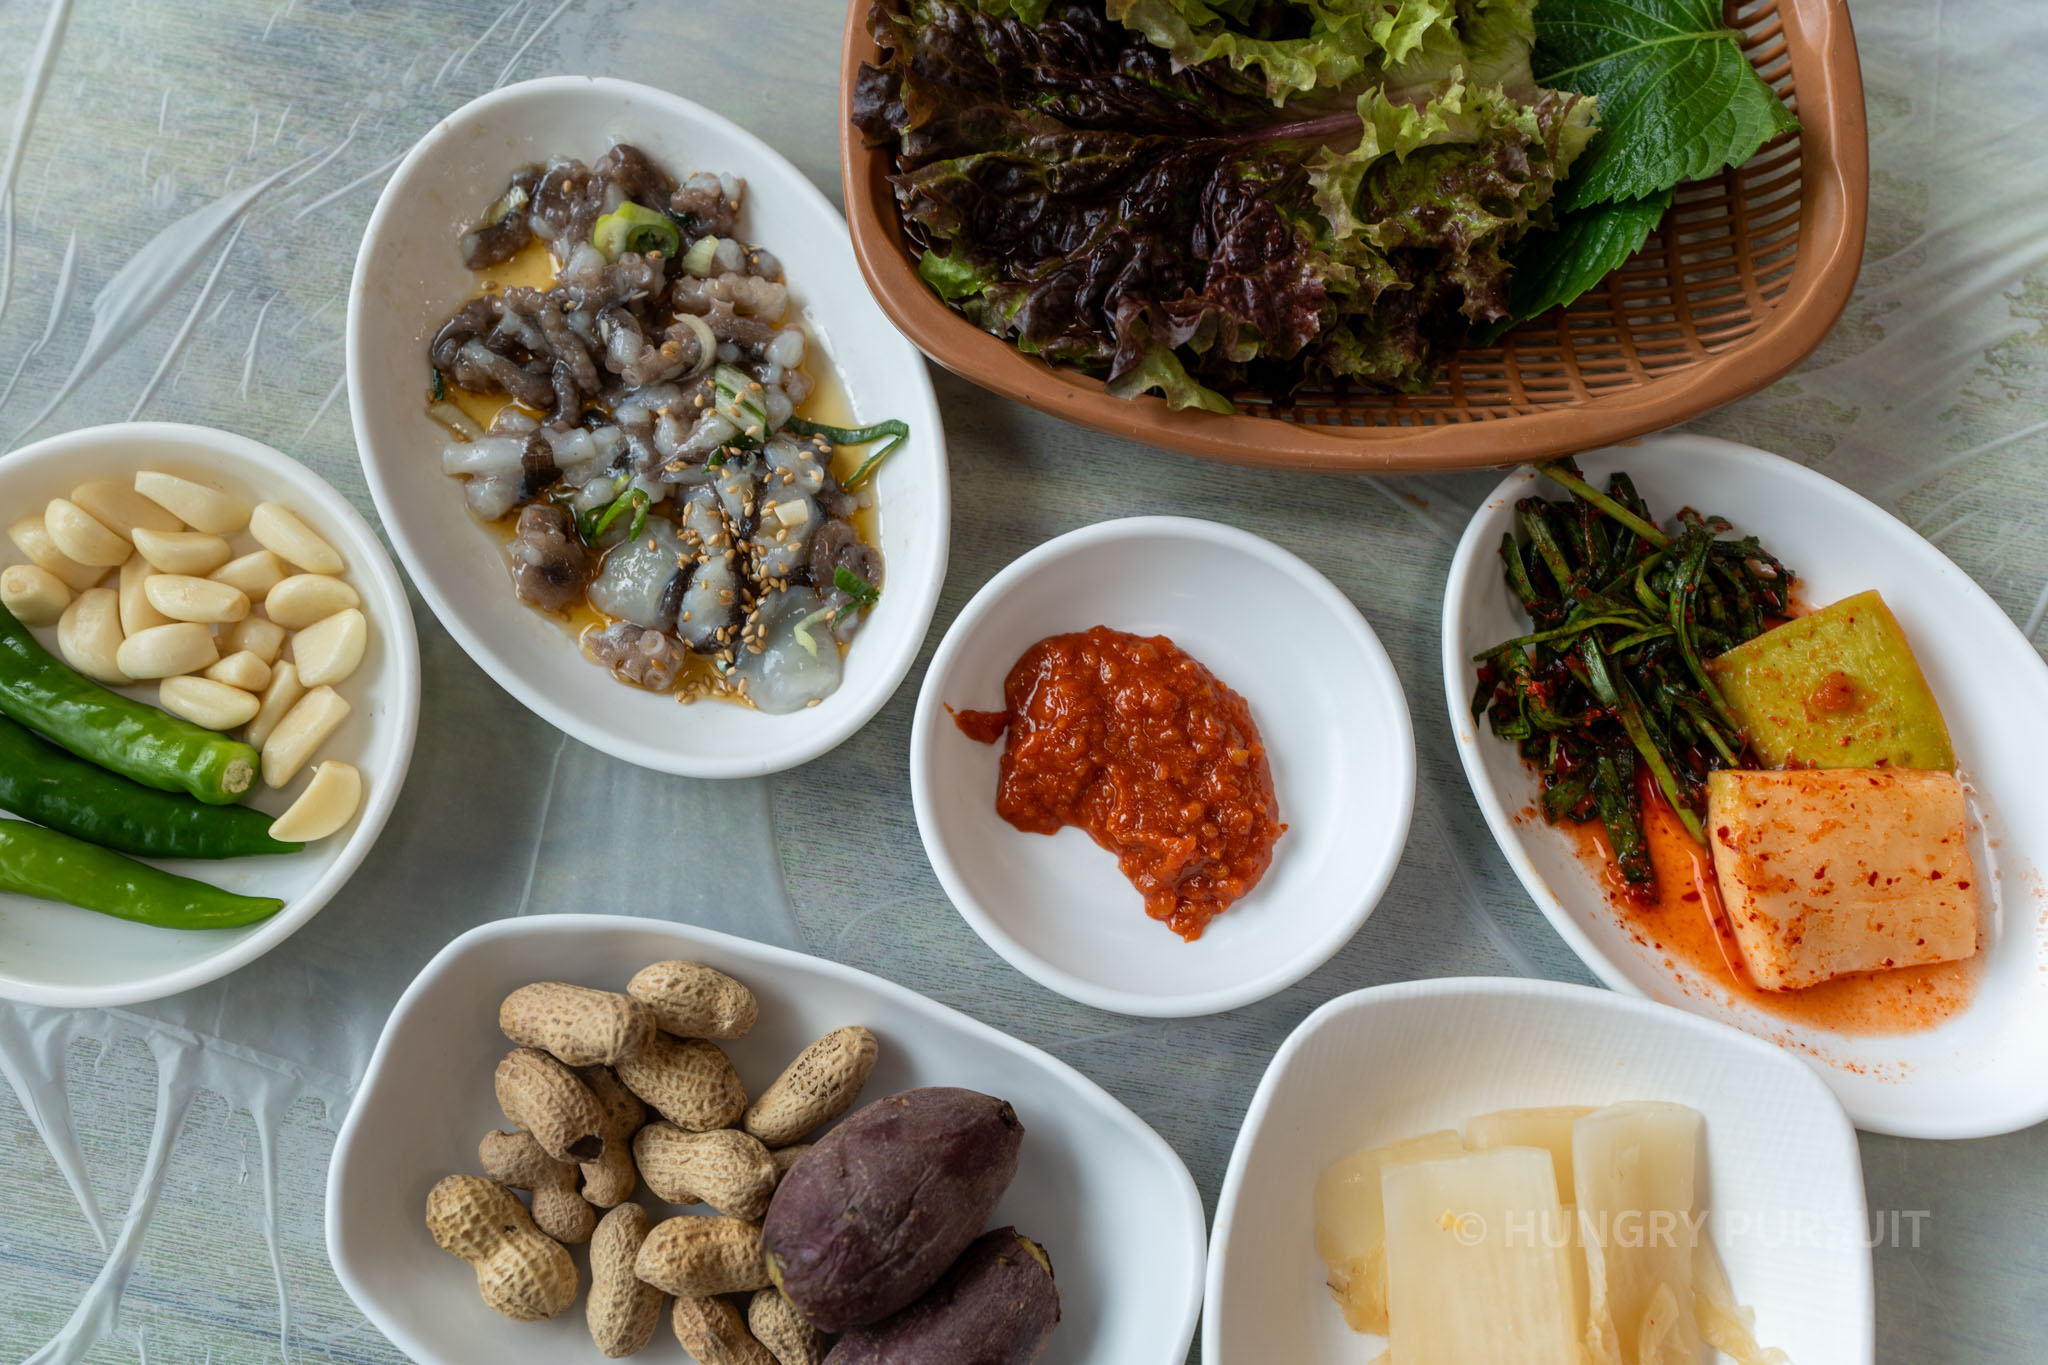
point(486, 1080)
point(203, 573)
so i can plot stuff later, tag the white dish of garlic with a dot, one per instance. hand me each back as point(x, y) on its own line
point(224, 582)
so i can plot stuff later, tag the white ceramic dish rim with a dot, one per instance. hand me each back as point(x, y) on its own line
point(1471, 548)
point(367, 559)
point(925, 729)
point(420, 991)
point(1624, 1006)
point(807, 739)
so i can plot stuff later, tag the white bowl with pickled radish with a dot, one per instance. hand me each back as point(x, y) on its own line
point(55, 954)
point(1779, 1179)
point(1979, 1067)
point(410, 277)
point(1322, 694)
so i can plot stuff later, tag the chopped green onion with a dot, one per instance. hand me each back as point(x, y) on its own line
point(854, 436)
point(456, 420)
point(593, 524)
point(637, 229)
point(510, 202)
point(633, 498)
point(586, 522)
point(738, 399)
point(802, 629)
point(863, 593)
point(440, 384)
point(697, 260)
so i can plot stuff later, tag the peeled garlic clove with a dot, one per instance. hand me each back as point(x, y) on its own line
point(82, 537)
point(304, 598)
point(187, 552)
point(198, 506)
point(166, 651)
point(278, 700)
point(244, 669)
point(278, 529)
point(328, 802)
point(33, 539)
point(329, 650)
point(137, 615)
point(303, 730)
point(203, 701)
point(255, 573)
point(185, 598)
point(255, 635)
point(89, 637)
point(119, 508)
point(35, 595)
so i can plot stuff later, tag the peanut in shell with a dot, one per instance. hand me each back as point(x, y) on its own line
point(692, 1000)
point(575, 1024)
point(521, 1272)
point(691, 1083)
point(820, 1085)
point(623, 1310)
point(724, 1168)
point(692, 1256)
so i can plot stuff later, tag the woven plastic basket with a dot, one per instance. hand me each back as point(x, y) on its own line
point(1743, 278)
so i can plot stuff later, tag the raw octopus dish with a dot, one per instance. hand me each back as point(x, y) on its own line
point(639, 415)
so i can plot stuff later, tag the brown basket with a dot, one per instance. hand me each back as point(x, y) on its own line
point(1745, 275)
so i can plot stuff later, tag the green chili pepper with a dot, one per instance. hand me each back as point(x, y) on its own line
point(154, 747)
point(53, 866)
point(635, 228)
point(43, 783)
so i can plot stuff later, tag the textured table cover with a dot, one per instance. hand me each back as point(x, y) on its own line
point(163, 1167)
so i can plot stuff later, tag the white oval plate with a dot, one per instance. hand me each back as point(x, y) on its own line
point(1114, 1207)
point(1784, 1183)
point(1985, 1070)
point(409, 278)
point(1325, 699)
point(54, 954)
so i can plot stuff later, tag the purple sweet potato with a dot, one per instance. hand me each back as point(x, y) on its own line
point(996, 1306)
point(874, 1213)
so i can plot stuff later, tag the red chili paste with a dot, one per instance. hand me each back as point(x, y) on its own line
point(1134, 741)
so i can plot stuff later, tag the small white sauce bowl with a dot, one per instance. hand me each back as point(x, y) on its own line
point(53, 954)
point(1323, 695)
point(409, 277)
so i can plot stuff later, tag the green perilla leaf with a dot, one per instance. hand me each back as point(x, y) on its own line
point(1678, 100)
point(1554, 267)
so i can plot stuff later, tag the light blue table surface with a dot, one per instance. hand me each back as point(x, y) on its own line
point(199, 1129)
